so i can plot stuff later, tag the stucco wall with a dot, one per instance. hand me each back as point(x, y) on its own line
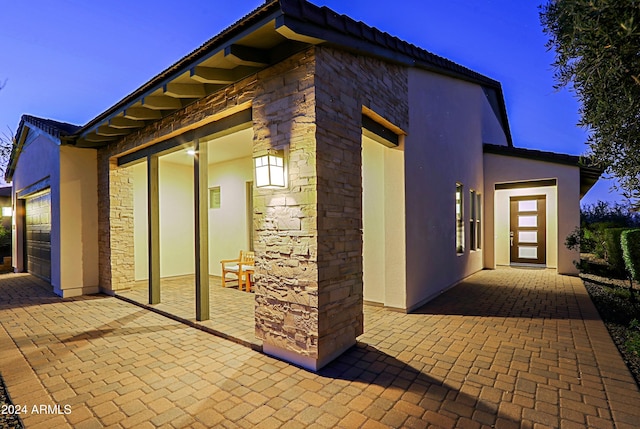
point(40, 158)
point(504, 169)
point(383, 219)
point(492, 131)
point(443, 146)
point(78, 221)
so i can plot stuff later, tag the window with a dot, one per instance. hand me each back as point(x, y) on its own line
point(214, 197)
point(249, 193)
point(478, 221)
point(474, 221)
point(459, 219)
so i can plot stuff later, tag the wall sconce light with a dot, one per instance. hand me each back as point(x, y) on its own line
point(270, 169)
point(7, 212)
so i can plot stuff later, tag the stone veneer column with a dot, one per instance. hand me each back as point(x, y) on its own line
point(115, 215)
point(285, 220)
point(309, 236)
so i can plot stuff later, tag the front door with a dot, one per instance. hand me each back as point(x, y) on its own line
point(528, 226)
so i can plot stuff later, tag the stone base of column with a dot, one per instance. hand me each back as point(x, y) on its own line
point(306, 362)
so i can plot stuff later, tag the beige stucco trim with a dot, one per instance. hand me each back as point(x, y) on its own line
point(502, 227)
point(506, 169)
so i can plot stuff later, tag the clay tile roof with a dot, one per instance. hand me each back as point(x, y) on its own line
point(55, 128)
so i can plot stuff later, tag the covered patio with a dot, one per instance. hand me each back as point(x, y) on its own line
point(231, 310)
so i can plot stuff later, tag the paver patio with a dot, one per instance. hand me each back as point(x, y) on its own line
point(505, 348)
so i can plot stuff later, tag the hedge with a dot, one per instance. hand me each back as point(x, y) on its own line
point(630, 243)
point(614, 250)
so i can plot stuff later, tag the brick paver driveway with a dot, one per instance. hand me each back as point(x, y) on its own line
point(505, 348)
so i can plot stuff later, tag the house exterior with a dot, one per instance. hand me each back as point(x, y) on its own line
point(399, 178)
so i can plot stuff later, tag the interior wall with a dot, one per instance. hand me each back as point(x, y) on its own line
point(228, 233)
point(176, 220)
point(502, 226)
point(177, 231)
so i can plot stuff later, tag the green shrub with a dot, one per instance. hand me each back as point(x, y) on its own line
point(594, 220)
point(5, 237)
point(614, 251)
point(630, 243)
point(633, 339)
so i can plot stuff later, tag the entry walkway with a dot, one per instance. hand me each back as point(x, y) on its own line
point(506, 349)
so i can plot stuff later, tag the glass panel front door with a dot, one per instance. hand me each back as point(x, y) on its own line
point(528, 229)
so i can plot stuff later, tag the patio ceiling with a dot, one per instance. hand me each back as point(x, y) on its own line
point(221, 149)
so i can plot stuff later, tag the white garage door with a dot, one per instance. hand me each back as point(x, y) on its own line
point(38, 240)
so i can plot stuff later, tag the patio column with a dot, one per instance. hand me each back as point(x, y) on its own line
point(201, 186)
point(153, 207)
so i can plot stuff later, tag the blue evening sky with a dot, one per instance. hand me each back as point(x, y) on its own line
point(70, 60)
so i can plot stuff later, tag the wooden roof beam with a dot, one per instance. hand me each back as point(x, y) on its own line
point(124, 123)
point(95, 138)
point(155, 102)
point(111, 132)
point(184, 90)
point(142, 114)
point(220, 76)
point(247, 56)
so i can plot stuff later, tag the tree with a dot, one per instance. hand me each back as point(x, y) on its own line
point(597, 55)
point(6, 143)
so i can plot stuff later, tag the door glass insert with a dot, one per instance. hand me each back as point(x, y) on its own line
point(528, 252)
point(527, 221)
point(528, 236)
point(527, 206)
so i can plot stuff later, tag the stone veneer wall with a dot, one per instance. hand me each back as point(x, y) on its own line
point(309, 236)
point(115, 226)
point(285, 220)
point(344, 84)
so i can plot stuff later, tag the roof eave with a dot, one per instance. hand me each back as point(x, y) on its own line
point(295, 21)
point(248, 24)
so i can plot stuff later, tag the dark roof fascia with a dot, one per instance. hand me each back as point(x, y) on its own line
point(241, 28)
point(589, 173)
point(532, 154)
point(325, 24)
